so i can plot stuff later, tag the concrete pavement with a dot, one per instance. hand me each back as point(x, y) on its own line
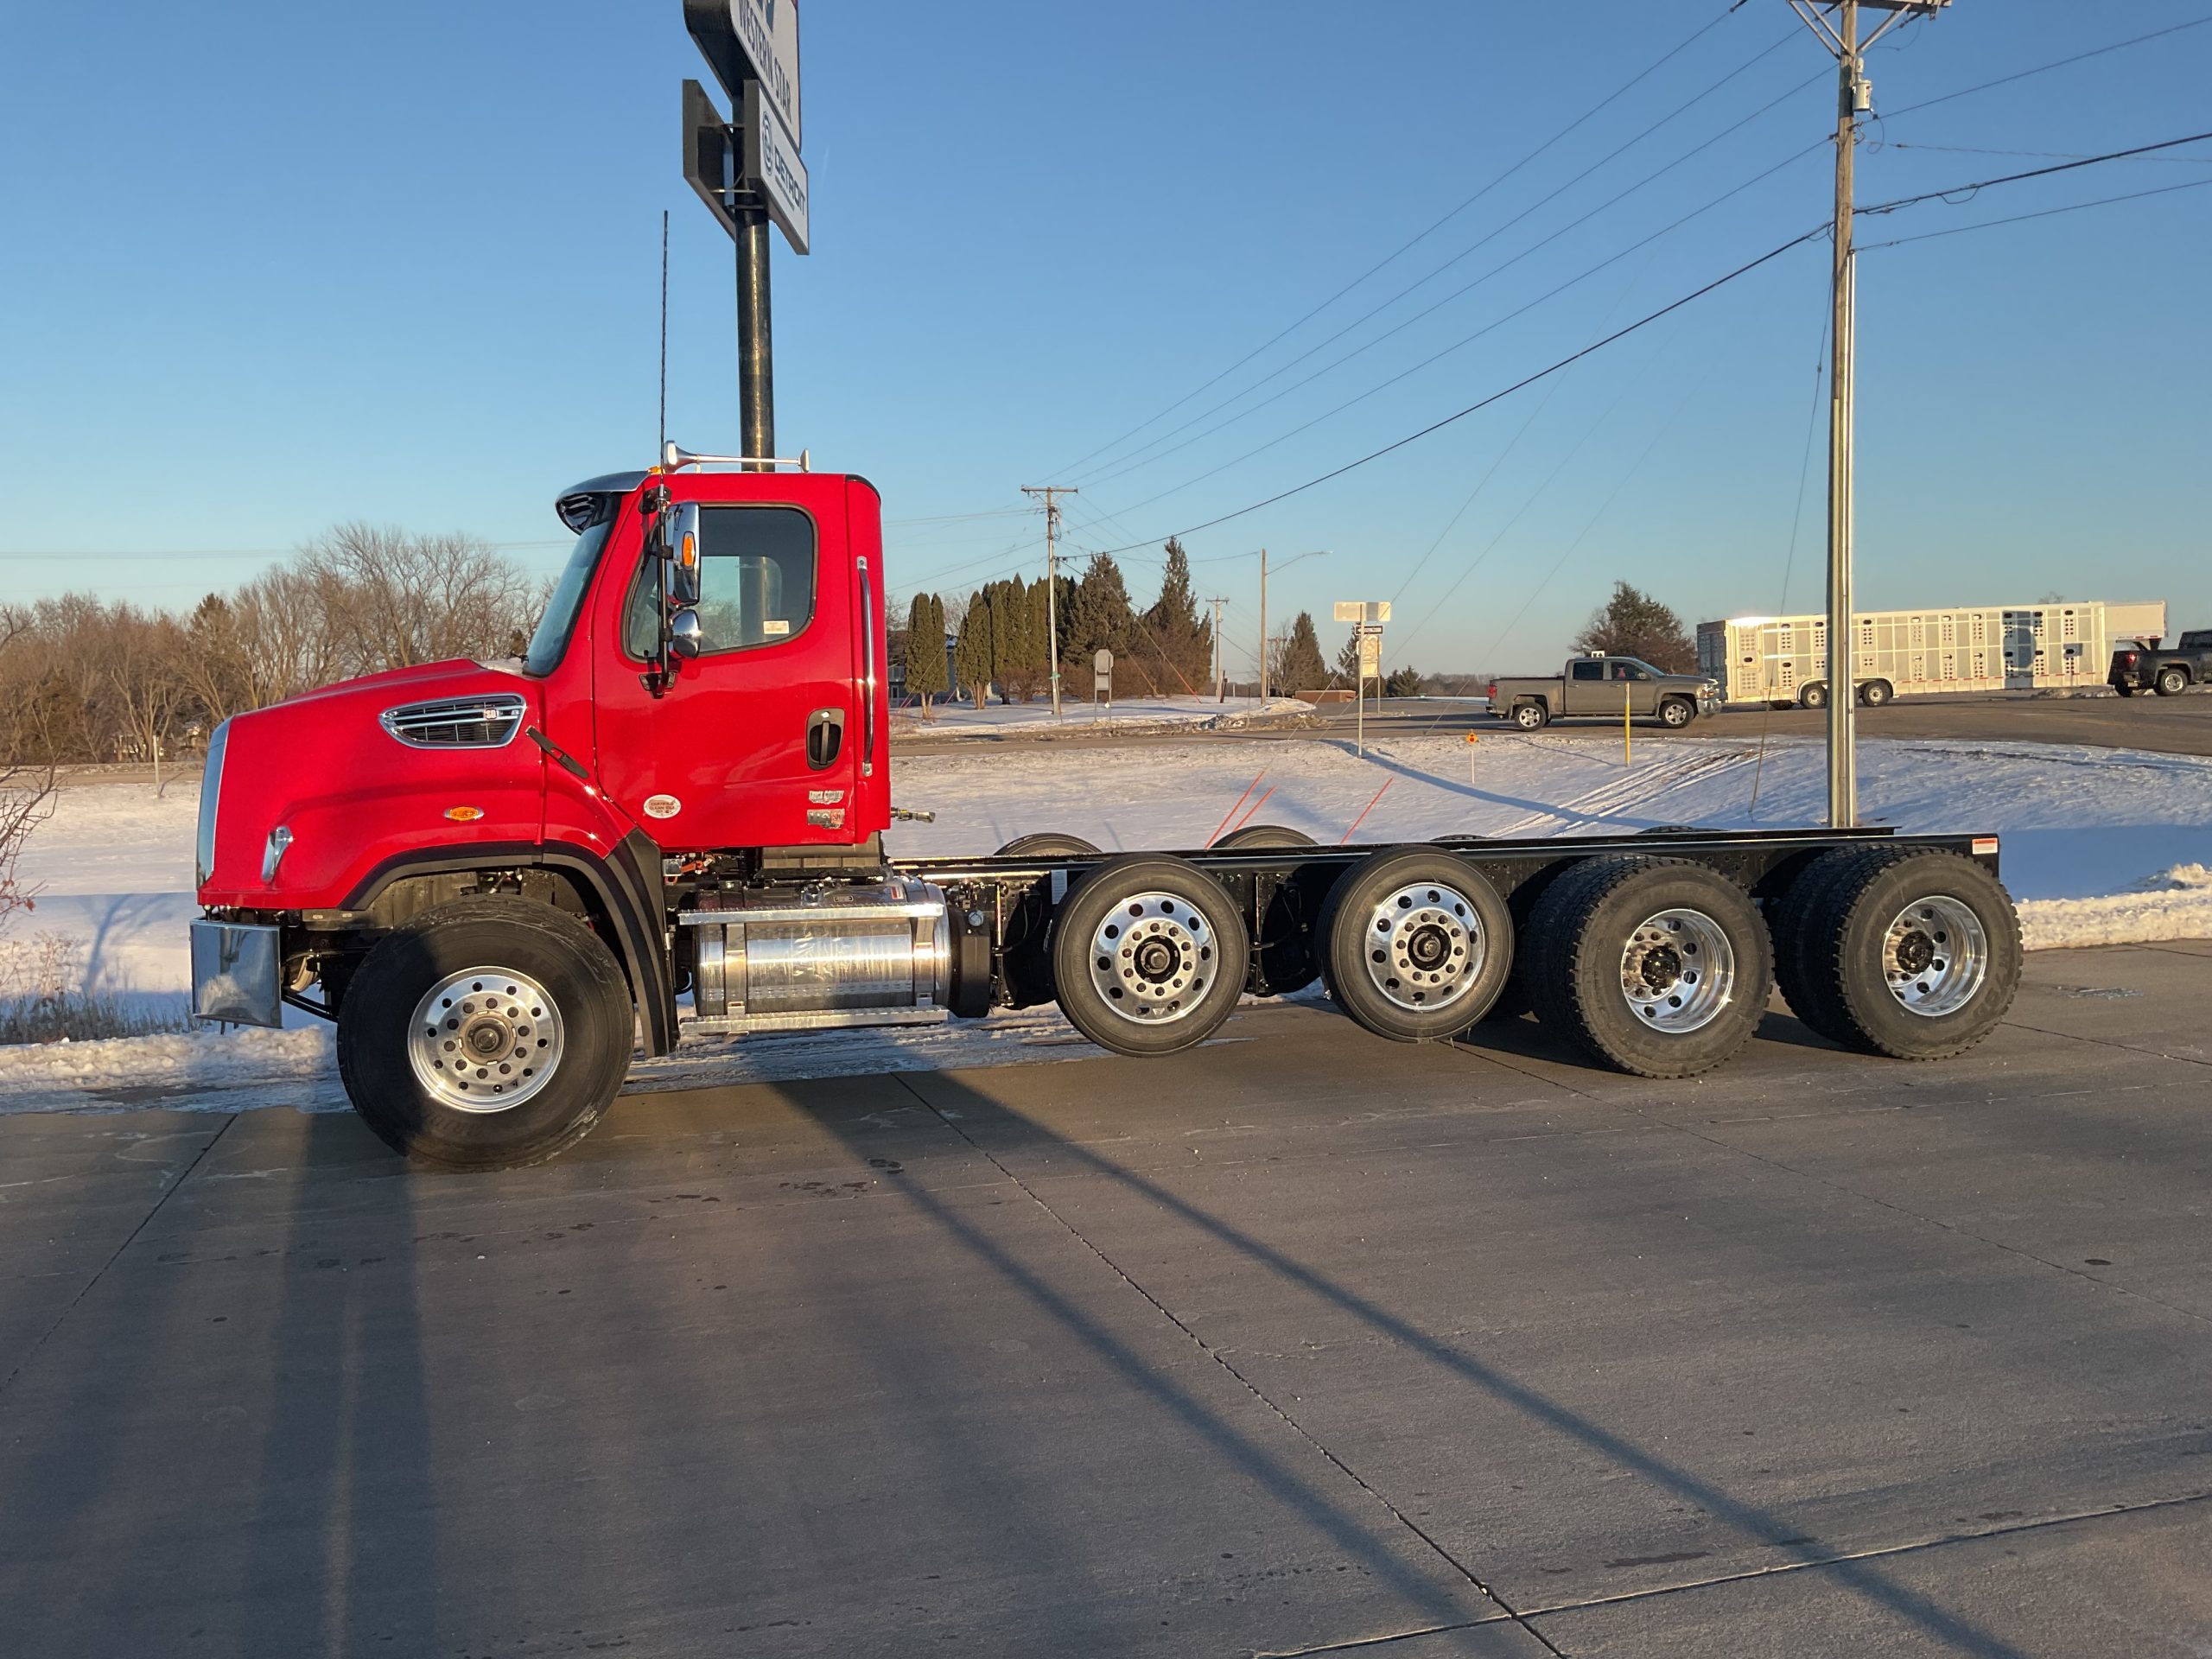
point(1300, 1342)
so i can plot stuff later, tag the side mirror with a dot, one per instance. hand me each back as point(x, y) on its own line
point(685, 636)
point(683, 556)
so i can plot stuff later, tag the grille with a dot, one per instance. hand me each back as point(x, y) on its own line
point(456, 722)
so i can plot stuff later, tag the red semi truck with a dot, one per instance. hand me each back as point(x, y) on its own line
point(501, 881)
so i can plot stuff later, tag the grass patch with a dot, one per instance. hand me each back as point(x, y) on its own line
point(42, 998)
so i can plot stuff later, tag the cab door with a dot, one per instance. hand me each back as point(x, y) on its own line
point(1585, 692)
point(756, 741)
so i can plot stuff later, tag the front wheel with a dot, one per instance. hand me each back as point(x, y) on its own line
point(2171, 683)
point(1676, 713)
point(485, 1034)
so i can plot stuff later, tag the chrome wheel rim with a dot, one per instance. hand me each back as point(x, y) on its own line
point(486, 1039)
point(1678, 971)
point(1151, 958)
point(1936, 956)
point(1424, 946)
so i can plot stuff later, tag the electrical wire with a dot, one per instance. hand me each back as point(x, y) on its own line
point(1965, 191)
point(2045, 68)
point(1603, 103)
point(2047, 213)
point(1130, 462)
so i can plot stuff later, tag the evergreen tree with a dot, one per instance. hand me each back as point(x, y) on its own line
point(971, 650)
point(1015, 651)
point(1099, 617)
point(944, 671)
point(1348, 662)
point(1298, 665)
point(1633, 623)
point(1407, 682)
point(926, 648)
point(1183, 642)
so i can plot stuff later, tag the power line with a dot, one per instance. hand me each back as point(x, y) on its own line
point(1968, 191)
point(1131, 462)
point(1464, 340)
point(1744, 270)
point(2047, 213)
point(1604, 102)
point(2045, 68)
point(1964, 190)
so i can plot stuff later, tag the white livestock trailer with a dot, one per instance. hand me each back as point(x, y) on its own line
point(1784, 660)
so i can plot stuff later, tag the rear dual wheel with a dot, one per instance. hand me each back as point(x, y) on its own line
point(1914, 953)
point(1654, 966)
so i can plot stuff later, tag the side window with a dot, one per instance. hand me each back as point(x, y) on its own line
point(756, 581)
point(1634, 672)
point(1589, 670)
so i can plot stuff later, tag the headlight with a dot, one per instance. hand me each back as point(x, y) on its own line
point(211, 790)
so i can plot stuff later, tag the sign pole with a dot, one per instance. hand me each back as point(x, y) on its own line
point(756, 371)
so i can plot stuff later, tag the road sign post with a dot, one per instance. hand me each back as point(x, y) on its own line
point(1102, 678)
point(1367, 618)
point(749, 174)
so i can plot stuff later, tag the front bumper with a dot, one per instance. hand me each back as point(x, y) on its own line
point(237, 969)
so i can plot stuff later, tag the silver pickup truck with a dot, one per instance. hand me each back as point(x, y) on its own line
point(1604, 687)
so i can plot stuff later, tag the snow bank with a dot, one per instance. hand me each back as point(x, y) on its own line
point(2175, 904)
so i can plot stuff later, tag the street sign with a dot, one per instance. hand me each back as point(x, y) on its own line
point(709, 166)
point(1352, 610)
point(772, 166)
point(1371, 655)
point(752, 40)
point(1102, 675)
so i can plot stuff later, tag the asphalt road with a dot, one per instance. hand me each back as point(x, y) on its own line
point(2167, 724)
point(1294, 1344)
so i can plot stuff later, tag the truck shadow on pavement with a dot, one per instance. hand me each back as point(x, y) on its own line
point(1006, 1137)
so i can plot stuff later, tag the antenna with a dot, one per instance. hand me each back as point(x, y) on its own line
point(664, 331)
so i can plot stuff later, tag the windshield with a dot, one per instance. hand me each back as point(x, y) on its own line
point(550, 643)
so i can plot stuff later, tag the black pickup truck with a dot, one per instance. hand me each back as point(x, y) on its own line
point(2169, 672)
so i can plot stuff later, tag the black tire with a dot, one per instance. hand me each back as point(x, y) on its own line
point(1203, 954)
point(1047, 844)
point(1531, 716)
point(1265, 836)
point(1875, 693)
point(1469, 923)
point(591, 1032)
point(2171, 683)
point(1850, 953)
point(1676, 713)
point(1672, 829)
point(1815, 695)
point(2125, 690)
point(1798, 930)
point(1592, 916)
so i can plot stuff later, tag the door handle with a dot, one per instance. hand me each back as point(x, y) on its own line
point(825, 737)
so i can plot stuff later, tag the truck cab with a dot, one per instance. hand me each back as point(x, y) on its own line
point(2141, 665)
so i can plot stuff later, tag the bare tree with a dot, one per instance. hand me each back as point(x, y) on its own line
point(397, 599)
point(26, 790)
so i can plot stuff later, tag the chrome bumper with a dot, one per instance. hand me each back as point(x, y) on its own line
point(236, 968)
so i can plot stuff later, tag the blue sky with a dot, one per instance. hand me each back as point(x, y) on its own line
point(265, 268)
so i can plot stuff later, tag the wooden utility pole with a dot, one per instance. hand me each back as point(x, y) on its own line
point(1220, 667)
point(1836, 22)
point(1051, 493)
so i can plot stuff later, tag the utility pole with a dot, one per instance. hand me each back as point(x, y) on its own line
point(1263, 627)
point(756, 357)
point(1220, 667)
point(1051, 493)
point(1854, 97)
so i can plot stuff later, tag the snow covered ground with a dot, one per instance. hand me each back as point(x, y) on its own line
point(2100, 846)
